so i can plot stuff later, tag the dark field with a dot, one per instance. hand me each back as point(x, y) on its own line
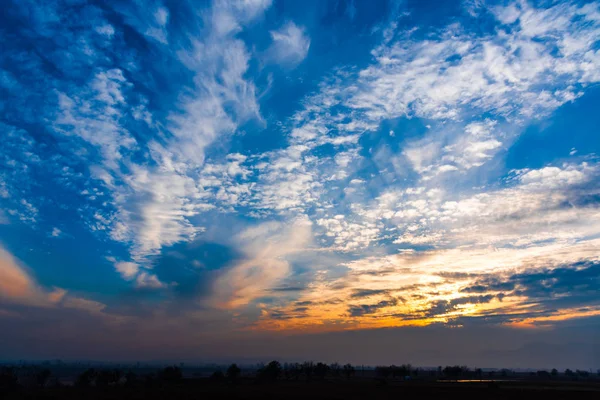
point(355, 388)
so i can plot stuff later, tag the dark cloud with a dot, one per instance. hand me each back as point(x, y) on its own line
point(77, 335)
point(441, 307)
point(490, 286)
point(574, 285)
point(288, 289)
point(364, 309)
point(360, 293)
point(457, 275)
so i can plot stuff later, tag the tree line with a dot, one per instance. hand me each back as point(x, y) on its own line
point(11, 377)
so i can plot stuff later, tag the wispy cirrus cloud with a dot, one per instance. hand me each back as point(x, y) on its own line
point(155, 200)
point(290, 45)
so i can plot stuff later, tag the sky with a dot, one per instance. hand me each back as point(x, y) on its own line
point(352, 181)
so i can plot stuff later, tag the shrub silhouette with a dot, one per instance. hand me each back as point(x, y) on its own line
point(543, 374)
point(455, 371)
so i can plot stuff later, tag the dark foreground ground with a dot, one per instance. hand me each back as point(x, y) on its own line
point(326, 389)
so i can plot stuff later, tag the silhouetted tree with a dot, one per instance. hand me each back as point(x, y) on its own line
point(543, 374)
point(349, 370)
point(292, 371)
point(217, 376)
point(308, 369)
point(233, 372)
point(270, 372)
point(335, 369)
point(568, 372)
point(321, 370)
point(554, 372)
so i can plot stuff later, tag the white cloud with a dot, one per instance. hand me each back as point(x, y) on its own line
point(155, 199)
point(290, 45)
point(55, 232)
point(149, 17)
point(513, 73)
point(106, 29)
point(128, 270)
point(160, 216)
point(146, 280)
point(94, 115)
point(25, 211)
point(267, 248)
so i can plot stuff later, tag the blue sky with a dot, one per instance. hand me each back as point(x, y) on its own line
point(267, 170)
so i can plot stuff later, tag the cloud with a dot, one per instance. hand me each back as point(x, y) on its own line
point(15, 282)
point(94, 115)
point(268, 248)
point(513, 73)
point(153, 183)
point(163, 158)
point(146, 280)
point(363, 309)
point(19, 288)
point(290, 45)
point(148, 18)
point(128, 270)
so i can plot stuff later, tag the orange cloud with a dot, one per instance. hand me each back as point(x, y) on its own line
point(15, 283)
